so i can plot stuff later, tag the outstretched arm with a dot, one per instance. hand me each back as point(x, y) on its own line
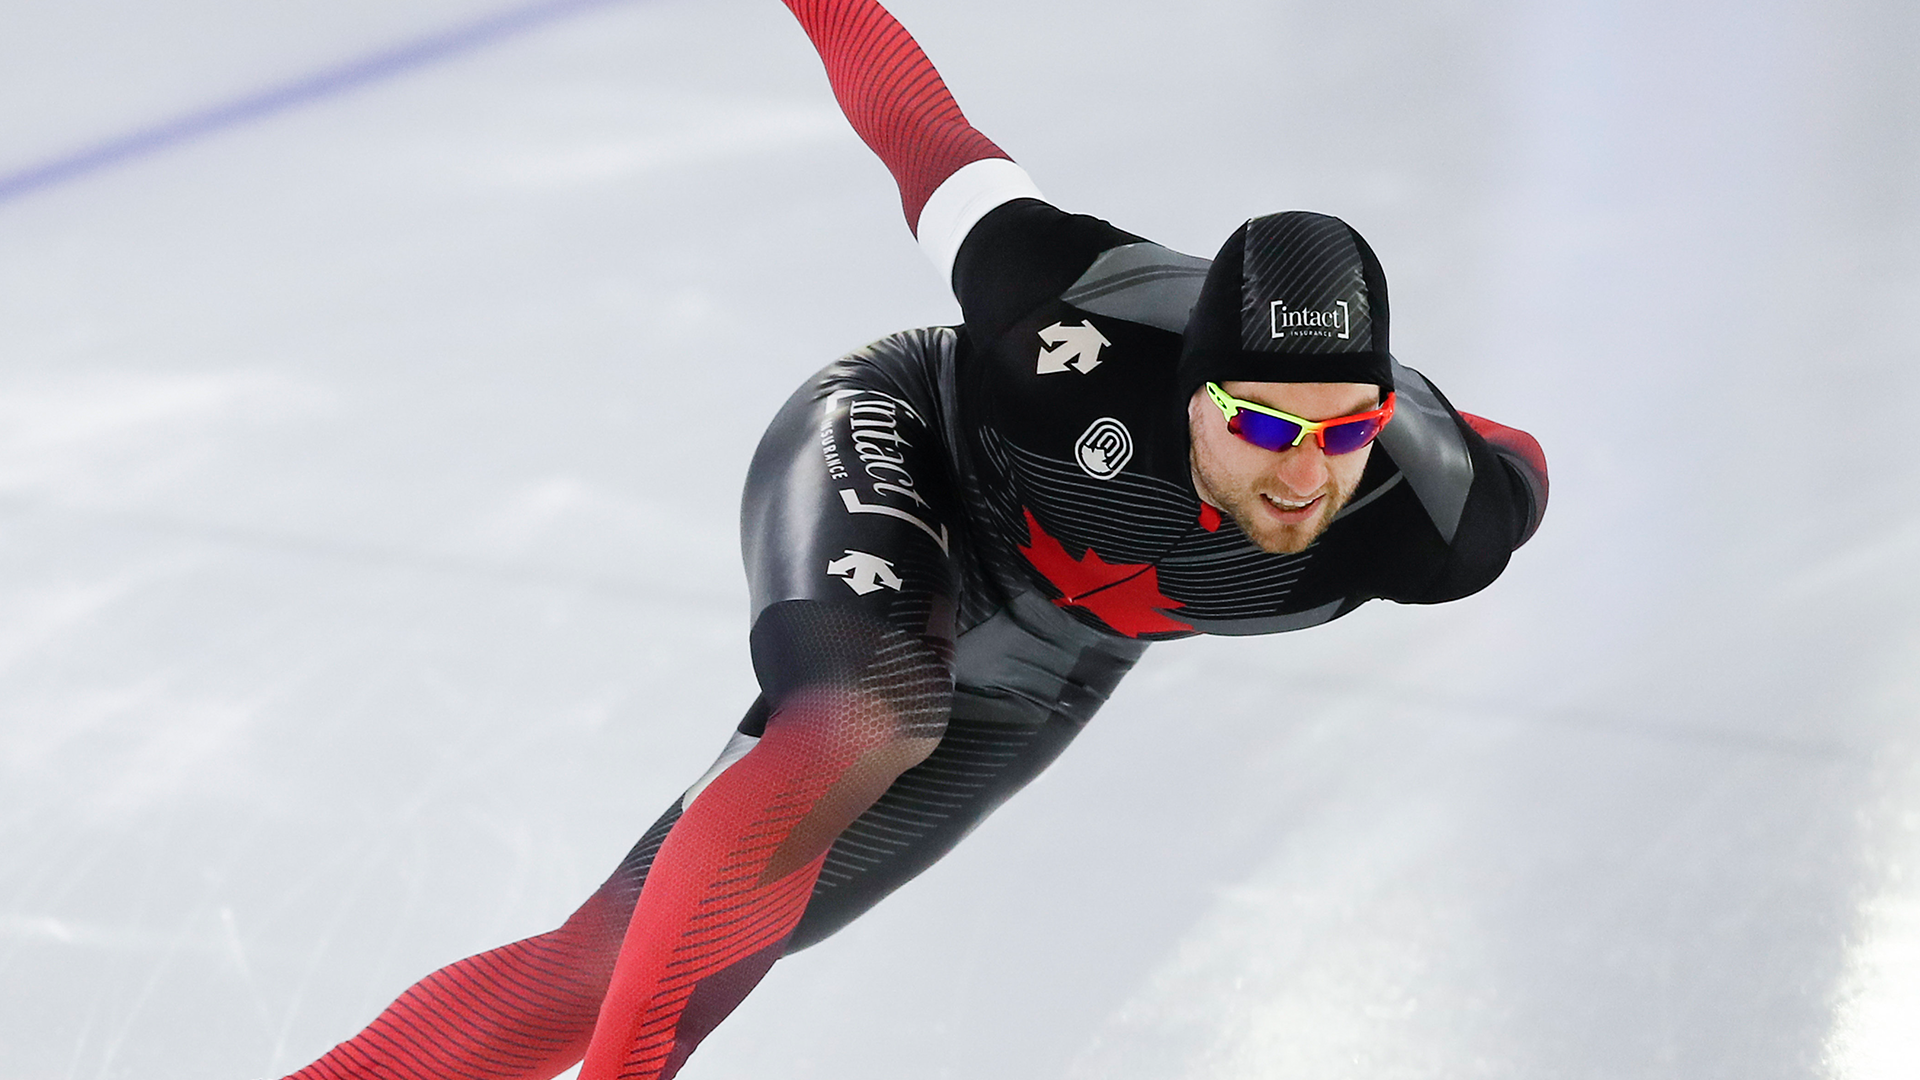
point(950, 175)
point(1482, 485)
point(1521, 454)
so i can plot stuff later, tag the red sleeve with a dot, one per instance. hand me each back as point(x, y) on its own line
point(1523, 455)
point(891, 94)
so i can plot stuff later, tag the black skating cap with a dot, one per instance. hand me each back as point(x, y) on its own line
point(1293, 297)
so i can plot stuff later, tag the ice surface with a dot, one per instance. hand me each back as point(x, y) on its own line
point(367, 532)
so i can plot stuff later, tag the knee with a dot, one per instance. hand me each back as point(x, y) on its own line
point(853, 732)
point(847, 682)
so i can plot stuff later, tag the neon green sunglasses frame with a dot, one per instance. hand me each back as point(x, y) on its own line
point(1230, 406)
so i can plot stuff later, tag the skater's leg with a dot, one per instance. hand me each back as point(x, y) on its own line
point(524, 1011)
point(520, 1012)
point(735, 872)
point(1026, 682)
point(850, 559)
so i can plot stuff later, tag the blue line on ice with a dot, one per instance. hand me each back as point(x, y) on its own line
point(340, 78)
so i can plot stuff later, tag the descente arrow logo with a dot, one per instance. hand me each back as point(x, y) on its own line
point(1070, 347)
point(864, 573)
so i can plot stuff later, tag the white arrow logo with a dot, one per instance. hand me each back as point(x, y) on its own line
point(864, 573)
point(1070, 347)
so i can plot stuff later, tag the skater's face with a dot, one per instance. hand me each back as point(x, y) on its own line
point(1282, 500)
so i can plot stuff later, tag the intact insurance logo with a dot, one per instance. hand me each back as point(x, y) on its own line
point(1333, 322)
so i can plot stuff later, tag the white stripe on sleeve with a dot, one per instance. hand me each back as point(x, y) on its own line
point(959, 203)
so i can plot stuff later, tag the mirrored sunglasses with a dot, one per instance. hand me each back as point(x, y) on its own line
point(1270, 429)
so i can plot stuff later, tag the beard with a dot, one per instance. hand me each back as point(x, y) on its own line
point(1249, 510)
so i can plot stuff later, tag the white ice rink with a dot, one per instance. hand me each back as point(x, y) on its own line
point(368, 578)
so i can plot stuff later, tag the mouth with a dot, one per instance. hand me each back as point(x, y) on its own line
point(1291, 510)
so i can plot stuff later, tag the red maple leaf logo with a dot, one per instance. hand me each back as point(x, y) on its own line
point(1125, 596)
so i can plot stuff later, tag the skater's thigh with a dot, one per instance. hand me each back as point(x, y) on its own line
point(849, 506)
point(1028, 679)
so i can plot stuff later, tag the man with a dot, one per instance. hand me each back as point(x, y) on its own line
point(958, 539)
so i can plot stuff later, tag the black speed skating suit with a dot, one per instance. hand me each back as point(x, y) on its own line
point(957, 541)
point(987, 482)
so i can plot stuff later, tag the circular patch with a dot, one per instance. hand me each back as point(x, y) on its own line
point(1104, 448)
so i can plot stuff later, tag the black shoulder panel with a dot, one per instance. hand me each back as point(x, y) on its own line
point(1024, 254)
point(1424, 440)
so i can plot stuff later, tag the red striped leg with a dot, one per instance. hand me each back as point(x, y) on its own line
point(735, 873)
